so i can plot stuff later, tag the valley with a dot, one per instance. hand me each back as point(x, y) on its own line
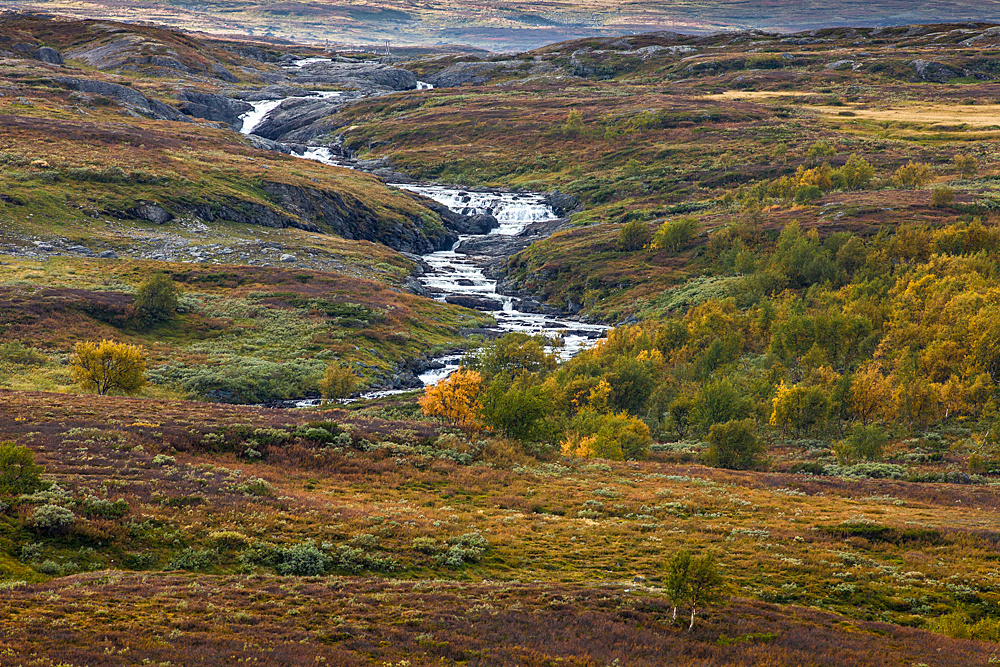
point(451, 357)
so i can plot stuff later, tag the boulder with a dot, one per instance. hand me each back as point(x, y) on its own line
point(152, 212)
point(928, 70)
point(474, 302)
point(561, 203)
point(296, 113)
point(472, 73)
point(49, 55)
point(364, 76)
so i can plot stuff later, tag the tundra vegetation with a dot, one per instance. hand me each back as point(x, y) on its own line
point(785, 454)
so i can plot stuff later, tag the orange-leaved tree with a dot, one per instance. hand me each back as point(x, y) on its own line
point(456, 398)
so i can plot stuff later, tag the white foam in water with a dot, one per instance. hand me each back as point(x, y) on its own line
point(456, 274)
point(252, 119)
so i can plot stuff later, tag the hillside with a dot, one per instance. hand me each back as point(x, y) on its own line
point(507, 26)
point(793, 237)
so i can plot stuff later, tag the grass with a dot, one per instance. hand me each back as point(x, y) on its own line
point(838, 556)
point(367, 534)
point(253, 319)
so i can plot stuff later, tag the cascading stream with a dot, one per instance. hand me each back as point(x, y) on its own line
point(455, 273)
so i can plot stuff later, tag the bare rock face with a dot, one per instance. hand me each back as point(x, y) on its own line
point(49, 55)
point(213, 107)
point(366, 77)
point(928, 70)
point(152, 212)
point(123, 95)
point(469, 73)
point(296, 113)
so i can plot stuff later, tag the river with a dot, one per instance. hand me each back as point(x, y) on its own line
point(458, 274)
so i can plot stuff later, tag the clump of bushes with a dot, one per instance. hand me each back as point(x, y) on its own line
point(51, 519)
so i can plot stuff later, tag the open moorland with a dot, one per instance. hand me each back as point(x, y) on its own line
point(794, 235)
point(506, 26)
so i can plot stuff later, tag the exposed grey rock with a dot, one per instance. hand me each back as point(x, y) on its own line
point(214, 107)
point(365, 76)
point(287, 258)
point(561, 203)
point(413, 286)
point(255, 53)
point(81, 250)
point(260, 143)
point(273, 92)
point(222, 73)
point(123, 95)
point(472, 72)
point(151, 212)
point(323, 210)
point(928, 70)
point(474, 302)
point(296, 113)
point(49, 55)
point(107, 254)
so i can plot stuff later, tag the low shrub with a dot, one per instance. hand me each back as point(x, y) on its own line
point(51, 519)
point(18, 472)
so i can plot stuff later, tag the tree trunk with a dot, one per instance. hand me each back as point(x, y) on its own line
point(693, 612)
point(675, 613)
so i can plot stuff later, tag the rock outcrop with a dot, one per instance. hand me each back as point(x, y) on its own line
point(213, 107)
point(295, 120)
point(124, 95)
point(361, 76)
point(48, 55)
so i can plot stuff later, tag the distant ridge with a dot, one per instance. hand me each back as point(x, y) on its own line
point(508, 25)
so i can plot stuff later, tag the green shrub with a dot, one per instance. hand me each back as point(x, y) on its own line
point(156, 299)
point(354, 559)
point(913, 175)
point(255, 486)
point(192, 559)
point(468, 548)
point(51, 519)
point(99, 508)
point(18, 472)
point(807, 194)
point(867, 442)
point(942, 196)
point(734, 445)
point(633, 236)
point(338, 381)
point(516, 411)
point(15, 352)
point(303, 560)
point(675, 234)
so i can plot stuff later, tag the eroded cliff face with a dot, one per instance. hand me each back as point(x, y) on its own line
point(317, 210)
